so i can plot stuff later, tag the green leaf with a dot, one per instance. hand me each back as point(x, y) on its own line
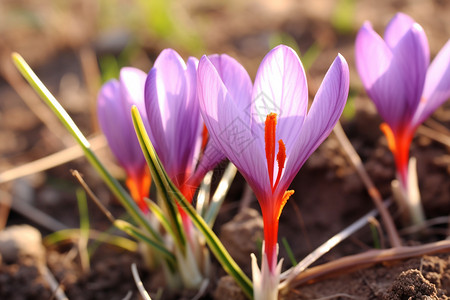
point(159, 214)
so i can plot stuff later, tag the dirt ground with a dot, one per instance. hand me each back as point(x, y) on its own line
point(329, 194)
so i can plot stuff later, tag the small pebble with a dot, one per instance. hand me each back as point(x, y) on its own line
point(21, 241)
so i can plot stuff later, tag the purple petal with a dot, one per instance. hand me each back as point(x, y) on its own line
point(373, 57)
point(229, 126)
point(281, 88)
point(397, 28)
point(172, 112)
point(190, 119)
point(411, 55)
point(115, 121)
point(437, 85)
point(235, 78)
point(321, 119)
point(132, 83)
point(381, 75)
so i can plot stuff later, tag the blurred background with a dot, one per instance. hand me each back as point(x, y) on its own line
point(76, 45)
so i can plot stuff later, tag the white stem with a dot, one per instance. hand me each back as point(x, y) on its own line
point(409, 199)
point(265, 282)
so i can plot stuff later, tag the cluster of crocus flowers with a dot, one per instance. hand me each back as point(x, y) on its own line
point(405, 88)
point(115, 100)
point(266, 131)
point(181, 141)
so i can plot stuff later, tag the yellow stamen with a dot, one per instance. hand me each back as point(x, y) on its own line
point(285, 198)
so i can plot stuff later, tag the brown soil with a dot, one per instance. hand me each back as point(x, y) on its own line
point(329, 194)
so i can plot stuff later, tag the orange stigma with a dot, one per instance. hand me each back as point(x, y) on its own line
point(389, 136)
point(269, 136)
point(139, 187)
point(399, 143)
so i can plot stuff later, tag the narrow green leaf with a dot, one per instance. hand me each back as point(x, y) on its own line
point(84, 229)
point(67, 121)
point(140, 235)
point(289, 251)
point(160, 182)
point(217, 248)
point(103, 237)
point(159, 214)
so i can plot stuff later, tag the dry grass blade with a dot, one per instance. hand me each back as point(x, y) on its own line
point(139, 283)
point(92, 78)
point(55, 287)
point(21, 206)
point(391, 230)
point(434, 135)
point(292, 273)
point(12, 76)
point(91, 194)
point(371, 257)
point(51, 161)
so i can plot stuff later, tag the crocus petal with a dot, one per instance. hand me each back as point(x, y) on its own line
point(381, 76)
point(190, 119)
point(229, 127)
point(132, 83)
point(115, 121)
point(397, 28)
point(234, 77)
point(373, 56)
point(167, 98)
point(323, 115)
point(281, 88)
point(411, 55)
point(437, 86)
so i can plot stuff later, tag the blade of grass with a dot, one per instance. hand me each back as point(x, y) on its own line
point(222, 255)
point(103, 237)
point(84, 229)
point(50, 161)
point(289, 251)
point(353, 156)
point(293, 272)
point(124, 198)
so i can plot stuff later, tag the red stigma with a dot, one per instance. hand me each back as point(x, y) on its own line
point(269, 135)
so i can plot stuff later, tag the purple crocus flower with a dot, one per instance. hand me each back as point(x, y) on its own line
point(115, 100)
point(265, 130)
point(177, 130)
point(396, 74)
